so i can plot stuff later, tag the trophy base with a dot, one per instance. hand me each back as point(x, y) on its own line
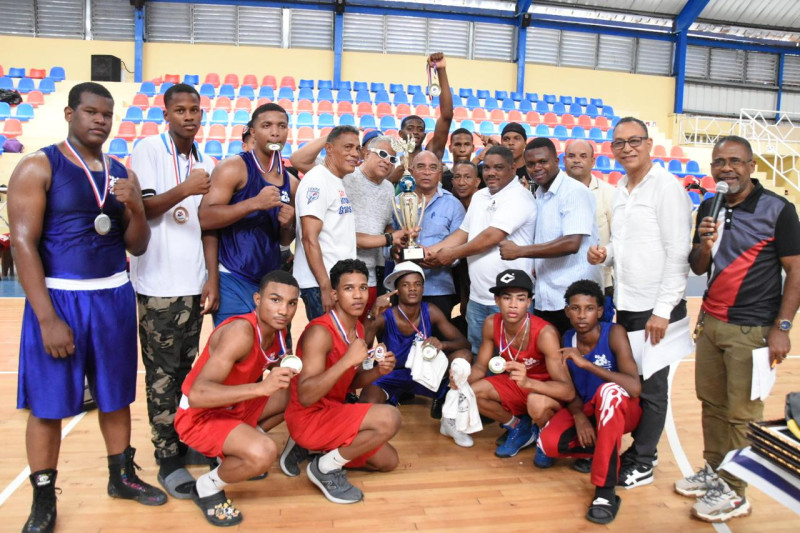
point(413, 254)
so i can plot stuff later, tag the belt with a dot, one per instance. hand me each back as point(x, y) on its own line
point(111, 282)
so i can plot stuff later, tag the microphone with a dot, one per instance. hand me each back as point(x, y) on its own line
point(716, 206)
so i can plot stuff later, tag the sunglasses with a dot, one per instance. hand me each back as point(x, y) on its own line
point(383, 154)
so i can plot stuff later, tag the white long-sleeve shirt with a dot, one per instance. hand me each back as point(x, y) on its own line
point(650, 243)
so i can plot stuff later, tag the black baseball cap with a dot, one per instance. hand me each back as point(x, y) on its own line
point(512, 279)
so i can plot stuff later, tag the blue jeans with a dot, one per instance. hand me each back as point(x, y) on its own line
point(312, 298)
point(476, 316)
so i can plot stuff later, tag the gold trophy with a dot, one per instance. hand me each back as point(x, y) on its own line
point(408, 208)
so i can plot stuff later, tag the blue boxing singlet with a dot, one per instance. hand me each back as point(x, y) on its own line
point(400, 344)
point(586, 383)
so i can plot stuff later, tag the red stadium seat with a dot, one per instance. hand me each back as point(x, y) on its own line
point(213, 79)
point(326, 130)
point(158, 101)
point(263, 100)
point(2, 72)
point(390, 133)
point(149, 129)
point(568, 120)
point(708, 184)
point(172, 78)
point(223, 102)
point(344, 108)
point(460, 113)
point(305, 134)
point(402, 111)
point(250, 80)
point(478, 115)
point(557, 144)
point(35, 98)
point(287, 105)
point(232, 79)
point(288, 81)
point(383, 109)
point(243, 103)
point(12, 128)
point(585, 122)
point(614, 177)
point(364, 108)
point(689, 180)
point(602, 123)
point(200, 135)
point(37, 73)
point(304, 106)
point(515, 116)
point(551, 119)
point(497, 116)
point(269, 81)
point(533, 118)
point(205, 103)
point(325, 107)
point(605, 149)
point(141, 101)
point(660, 152)
point(216, 132)
point(423, 110)
point(236, 132)
point(677, 153)
point(127, 130)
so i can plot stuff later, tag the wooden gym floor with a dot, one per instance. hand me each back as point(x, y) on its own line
point(438, 486)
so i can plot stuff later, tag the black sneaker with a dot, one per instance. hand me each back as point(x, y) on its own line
point(123, 482)
point(634, 475)
point(43, 509)
point(436, 408)
point(351, 397)
point(217, 509)
point(584, 466)
point(292, 457)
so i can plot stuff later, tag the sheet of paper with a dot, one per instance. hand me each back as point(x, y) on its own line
point(675, 345)
point(763, 375)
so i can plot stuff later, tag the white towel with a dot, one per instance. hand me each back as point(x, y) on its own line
point(461, 404)
point(429, 374)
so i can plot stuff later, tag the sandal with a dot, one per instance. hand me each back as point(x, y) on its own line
point(218, 509)
point(603, 511)
point(178, 484)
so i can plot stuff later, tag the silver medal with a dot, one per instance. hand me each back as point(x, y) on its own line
point(497, 365)
point(102, 224)
point(429, 352)
point(293, 362)
point(275, 147)
point(435, 89)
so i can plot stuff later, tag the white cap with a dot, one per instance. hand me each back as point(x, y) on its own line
point(406, 267)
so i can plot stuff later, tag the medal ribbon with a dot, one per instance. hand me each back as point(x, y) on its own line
point(175, 162)
point(281, 341)
point(432, 74)
point(421, 323)
point(275, 154)
point(507, 347)
point(100, 201)
point(341, 328)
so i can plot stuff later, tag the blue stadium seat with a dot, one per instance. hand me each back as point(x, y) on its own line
point(156, 115)
point(526, 127)
point(591, 111)
point(597, 135)
point(25, 112)
point(542, 130)
point(388, 123)
point(596, 102)
point(532, 97)
point(578, 132)
point(560, 132)
point(344, 95)
point(191, 79)
point(203, 121)
point(58, 74)
point(419, 99)
point(6, 83)
point(501, 95)
point(219, 116)
point(414, 89)
point(148, 88)
point(558, 108)
point(610, 135)
point(517, 96)
point(305, 84)
point(26, 85)
point(376, 86)
point(490, 103)
point(305, 94)
point(345, 86)
point(692, 167)
point(618, 166)
point(582, 101)
point(708, 195)
point(508, 105)
point(603, 163)
point(325, 120)
point(473, 102)
point(695, 198)
point(47, 85)
point(325, 95)
point(213, 149)
point(286, 93)
point(465, 93)
point(483, 94)
point(549, 98)
point(525, 106)
point(205, 90)
point(468, 124)
point(234, 147)
point(165, 87)
point(325, 84)
point(382, 97)
point(5, 111)
point(118, 148)
point(227, 89)
point(659, 162)
point(134, 114)
point(566, 100)
point(542, 107)
point(561, 161)
point(400, 97)
point(360, 86)
point(363, 96)
point(608, 111)
point(305, 119)
point(457, 102)
point(447, 157)
point(16, 72)
point(487, 128)
point(396, 87)
point(287, 150)
point(347, 120)
point(245, 91)
point(241, 116)
point(575, 109)
point(675, 167)
point(367, 122)
point(430, 124)
point(266, 92)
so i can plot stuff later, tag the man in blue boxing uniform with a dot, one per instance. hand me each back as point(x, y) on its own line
point(73, 213)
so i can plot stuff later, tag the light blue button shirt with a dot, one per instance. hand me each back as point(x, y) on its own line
point(566, 208)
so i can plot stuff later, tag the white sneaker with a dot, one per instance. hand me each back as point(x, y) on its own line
point(448, 429)
point(720, 504)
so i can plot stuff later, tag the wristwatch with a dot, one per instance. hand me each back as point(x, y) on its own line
point(783, 324)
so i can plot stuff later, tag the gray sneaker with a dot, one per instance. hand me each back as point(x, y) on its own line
point(720, 504)
point(334, 485)
point(292, 457)
point(698, 483)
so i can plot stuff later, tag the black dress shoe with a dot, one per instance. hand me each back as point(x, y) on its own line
point(436, 408)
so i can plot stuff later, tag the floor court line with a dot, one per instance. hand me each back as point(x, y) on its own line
point(20, 479)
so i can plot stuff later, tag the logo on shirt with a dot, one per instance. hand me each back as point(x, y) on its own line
point(529, 362)
point(345, 203)
point(285, 197)
point(311, 194)
point(602, 361)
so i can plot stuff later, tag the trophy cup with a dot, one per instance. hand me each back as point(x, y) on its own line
point(408, 207)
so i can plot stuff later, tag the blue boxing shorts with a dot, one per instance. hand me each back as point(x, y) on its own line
point(399, 382)
point(235, 297)
point(103, 323)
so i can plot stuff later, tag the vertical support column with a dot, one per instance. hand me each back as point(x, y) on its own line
point(679, 66)
point(138, 30)
point(522, 40)
point(338, 39)
point(778, 103)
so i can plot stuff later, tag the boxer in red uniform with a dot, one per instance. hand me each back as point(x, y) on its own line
point(531, 382)
point(356, 435)
point(226, 407)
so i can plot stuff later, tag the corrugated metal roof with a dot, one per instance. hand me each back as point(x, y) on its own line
point(775, 13)
point(656, 7)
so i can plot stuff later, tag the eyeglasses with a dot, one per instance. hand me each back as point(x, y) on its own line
point(634, 142)
point(734, 162)
point(383, 154)
point(421, 167)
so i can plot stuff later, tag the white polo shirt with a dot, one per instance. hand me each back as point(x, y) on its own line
point(322, 195)
point(566, 208)
point(173, 264)
point(511, 210)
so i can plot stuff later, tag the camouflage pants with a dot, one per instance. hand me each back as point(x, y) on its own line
point(169, 331)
